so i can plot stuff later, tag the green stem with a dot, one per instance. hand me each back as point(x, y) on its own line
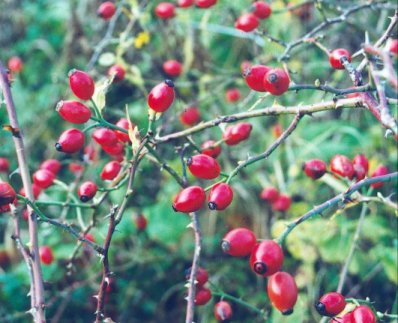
point(95, 108)
point(66, 204)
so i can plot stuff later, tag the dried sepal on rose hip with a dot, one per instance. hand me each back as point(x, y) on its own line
point(161, 96)
point(190, 199)
point(238, 242)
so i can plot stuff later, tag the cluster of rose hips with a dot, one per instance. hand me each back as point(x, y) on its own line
point(279, 202)
point(263, 78)
point(333, 303)
point(167, 10)
point(266, 260)
point(259, 10)
point(341, 165)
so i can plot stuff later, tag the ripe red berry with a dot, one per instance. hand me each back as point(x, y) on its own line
point(220, 197)
point(76, 168)
point(110, 170)
point(203, 166)
point(277, 130)
point(185, 3)
point(7, 194)
point(35, 188)
point(81, 84)
point(15, 64)
point(190, 116)
point(115, 150)
point(73, 111)
point(282, 203)
point(261, 9)
point(342, 166)
point(247, 22)
point(335, 58)
point(124, 124)
point(209, 149)
point(393, 46)
point(232, 95)
point(161, 96)
point(165, 10)
point(245, 65)
point(379, 171)
point(106, 10)
point(4, 165)
point(205, 3)
point(46, 255)
point(314, 168)
point(282, 291)
point(118, 71)
point(172, 67)
point(361, 166)
point(330, 304)
point(105, 137)
point(43, 178)
point(140, 222)
point(254, 77)
point(201, 276)
point(238, 242)
point(222, 311)
point(89, 237)
point(269, 194)
point(52, 165)
point(203, 296)
point(266, 258)
point(276, 81)
point(87, 191)
point(236, 133)
point(70, 141)
point(190, 199)
point(363, 314)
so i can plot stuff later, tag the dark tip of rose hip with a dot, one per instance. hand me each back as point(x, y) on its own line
point(84, 198)
point(174, 208)
point(189, 161)
point(71, 72)
point(260, 268)
point(287, 312)
point(272, 78)
point(225, 246)
point(212, 206)
point(169, 83)
point(246, 71)
point(59, 105)
point(58, 146)
point(303, 166)
point(321, 308)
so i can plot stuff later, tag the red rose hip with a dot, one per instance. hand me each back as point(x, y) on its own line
point(165, 10)
point(205, 3)
point(247, 22)
point(46, 255)
point(232, 95)
point(282, 291)
point(190, 199)
point(70, 141)
point(254, 77)
point(161, 96)
point(118, 71)
point(314, 168)
point(4, 165)
point(7, 194)
point(73, 111)
point(140, 222)
point(220, 197)
point(330, 304)
point(106, 10)
point(105, 137)
point(209, 149)
point(15, 64)
point(201, 276)
point(276, 81)
point(87, 191)
point(363, 314)
point(379, 171)
point(203, 296)
point(269, 194)
point(236, 133)
point(203, 166)
point(361, 166)
point(282, 203)
point(222, 311)
point(81, 84)
point(185, 3)
point(43, 178)
point(110, 170)
point(172, 67)
point(266, 258)
point(335, 58)
point(238, 242)
point(342, 166)
point(52, 165)
point(190, 116)
point(261, 9)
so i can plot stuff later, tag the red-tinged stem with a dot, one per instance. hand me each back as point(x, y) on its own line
point(37, 290)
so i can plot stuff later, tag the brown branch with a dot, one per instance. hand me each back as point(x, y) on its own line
point(37, 290)
point(269, 111)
